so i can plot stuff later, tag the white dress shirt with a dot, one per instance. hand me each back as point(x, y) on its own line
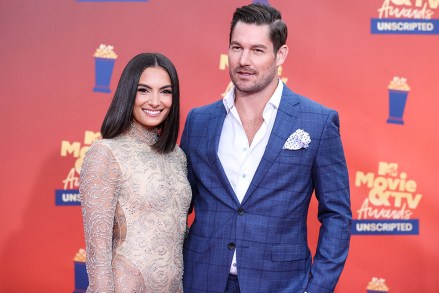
point(239, 159)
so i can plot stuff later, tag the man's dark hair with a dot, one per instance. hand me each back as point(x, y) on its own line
point(261, 14)
point(120, 113)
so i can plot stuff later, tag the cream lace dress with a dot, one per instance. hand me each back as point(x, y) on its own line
point(134, 206)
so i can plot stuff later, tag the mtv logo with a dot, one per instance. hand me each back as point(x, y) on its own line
point(390, 169)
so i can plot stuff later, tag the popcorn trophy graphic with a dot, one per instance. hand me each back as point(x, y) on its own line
point(81, 277)
point(398, 92)
point(377, 285)
point(104, 64)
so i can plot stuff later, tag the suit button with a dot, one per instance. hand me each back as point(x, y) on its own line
point(231, 245)
point(241, 211)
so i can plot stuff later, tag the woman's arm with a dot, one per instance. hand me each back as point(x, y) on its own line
point(98, 187)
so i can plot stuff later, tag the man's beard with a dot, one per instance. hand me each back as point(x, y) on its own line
point(250, 86)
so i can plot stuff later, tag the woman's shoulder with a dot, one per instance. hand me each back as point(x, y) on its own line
point(99, 144)
point(178, 152)
point(101, 147)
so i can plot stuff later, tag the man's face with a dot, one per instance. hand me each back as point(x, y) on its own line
point(252, 61)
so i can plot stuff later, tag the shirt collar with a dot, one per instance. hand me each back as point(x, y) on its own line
point(274, 101)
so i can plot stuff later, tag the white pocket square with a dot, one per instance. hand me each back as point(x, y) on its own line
point(298, 140)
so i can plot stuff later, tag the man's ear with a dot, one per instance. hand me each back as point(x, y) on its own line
point(281, 55)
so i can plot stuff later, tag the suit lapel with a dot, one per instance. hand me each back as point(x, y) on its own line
point(214, 129)
point(283, 127)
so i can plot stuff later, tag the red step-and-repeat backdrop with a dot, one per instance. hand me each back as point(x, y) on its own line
point(374, 61)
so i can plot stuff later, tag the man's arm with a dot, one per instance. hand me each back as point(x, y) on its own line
point(184, 145)
point(330, 176)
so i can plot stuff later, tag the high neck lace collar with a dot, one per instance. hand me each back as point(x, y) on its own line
point(141, 134)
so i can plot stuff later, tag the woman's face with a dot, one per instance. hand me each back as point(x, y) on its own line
point(154, 97)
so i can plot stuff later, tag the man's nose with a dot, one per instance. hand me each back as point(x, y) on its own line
point(244, 59)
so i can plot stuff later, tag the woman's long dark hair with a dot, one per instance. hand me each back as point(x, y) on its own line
point(120, 113)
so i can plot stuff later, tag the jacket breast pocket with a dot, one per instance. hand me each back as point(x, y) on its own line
point(299, 161)
point(303, 157)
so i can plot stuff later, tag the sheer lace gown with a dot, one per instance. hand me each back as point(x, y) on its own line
point(134, 206)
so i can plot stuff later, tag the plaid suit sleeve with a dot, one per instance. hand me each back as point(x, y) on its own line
point(184, 145)
point(334, 213)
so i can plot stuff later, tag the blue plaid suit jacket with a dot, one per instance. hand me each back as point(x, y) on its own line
point(268, 229)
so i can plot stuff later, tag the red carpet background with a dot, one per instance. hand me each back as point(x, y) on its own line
point(343, 54)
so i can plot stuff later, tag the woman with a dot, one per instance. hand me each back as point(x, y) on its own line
point(133, 185)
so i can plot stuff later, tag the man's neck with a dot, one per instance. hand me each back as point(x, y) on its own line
point(250, 107)
point(252, 104)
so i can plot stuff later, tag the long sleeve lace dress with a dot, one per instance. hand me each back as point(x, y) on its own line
point(134, 206)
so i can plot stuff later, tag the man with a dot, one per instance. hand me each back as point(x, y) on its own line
point(254, 160)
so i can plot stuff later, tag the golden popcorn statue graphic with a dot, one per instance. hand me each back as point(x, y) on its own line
point(398, 92)
point(377, 285)
point(105, 58)
point(81, 277)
